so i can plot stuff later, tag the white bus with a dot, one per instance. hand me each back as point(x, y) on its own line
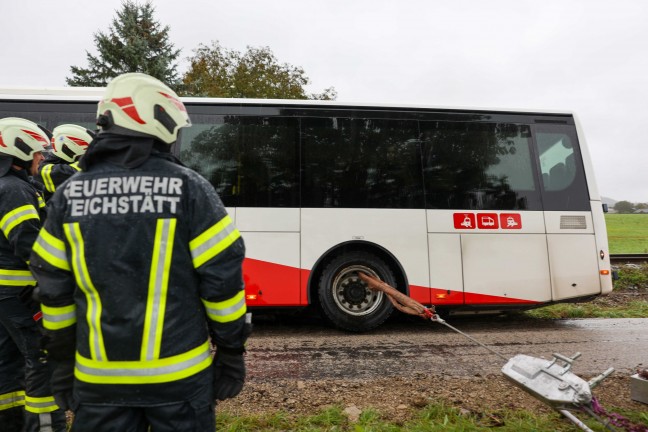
point(464, 209)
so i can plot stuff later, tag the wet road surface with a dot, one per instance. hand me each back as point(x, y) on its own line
point(303, 349)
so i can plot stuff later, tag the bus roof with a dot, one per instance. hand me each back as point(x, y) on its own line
point(91, 94)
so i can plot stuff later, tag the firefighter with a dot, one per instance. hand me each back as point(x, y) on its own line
point(69, 143)
point(139, 265)
point(26, 401)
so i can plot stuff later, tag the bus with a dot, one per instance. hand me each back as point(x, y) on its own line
point(469, 210)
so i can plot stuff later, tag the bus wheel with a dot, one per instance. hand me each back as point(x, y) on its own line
point(345, 299)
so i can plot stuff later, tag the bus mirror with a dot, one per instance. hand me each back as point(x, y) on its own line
point(605, 208)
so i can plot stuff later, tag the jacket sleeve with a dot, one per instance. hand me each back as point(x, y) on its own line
point(53, 175)
point(217, 251)
point(20, 221)
point(50, 264)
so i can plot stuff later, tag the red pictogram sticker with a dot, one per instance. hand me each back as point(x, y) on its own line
point(464, 221)
point(511, 221)
point(487, 221)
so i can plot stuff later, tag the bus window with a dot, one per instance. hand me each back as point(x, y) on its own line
point(478, 166)
point(251, 161)
point(210, 146)
point(361, 163)
point(563, 180)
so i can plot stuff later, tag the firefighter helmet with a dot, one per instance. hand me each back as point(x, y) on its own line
point(71, 141)
point(140, 105)
point(22, 138)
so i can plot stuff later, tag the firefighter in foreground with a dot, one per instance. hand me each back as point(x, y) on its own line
point(26, 402)
point(69, 143)
point(138, 265)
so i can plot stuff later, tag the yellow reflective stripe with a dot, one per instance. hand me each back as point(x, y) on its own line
point(11, 400)
point(46, 175)
point(162, 370)
point(213, 241)
point(39, 405)
point(56, 318)
point(52, 250)
point(16, 278)
point(75, 165)
point(41, 202)
point(157, 289)
point(226, 310)
point(93, 314)
point(17, 216)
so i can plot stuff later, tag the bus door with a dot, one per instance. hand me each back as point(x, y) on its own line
point(573, 255)
point(486, 237)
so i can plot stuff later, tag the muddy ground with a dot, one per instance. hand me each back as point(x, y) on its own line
point(396, 397)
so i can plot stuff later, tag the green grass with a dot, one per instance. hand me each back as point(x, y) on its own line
point(433, 418)
point(627, 233)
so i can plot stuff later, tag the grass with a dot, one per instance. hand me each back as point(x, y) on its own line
point(432, 418)
point(627, 233)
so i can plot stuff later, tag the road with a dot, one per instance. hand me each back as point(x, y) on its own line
point(306, 349)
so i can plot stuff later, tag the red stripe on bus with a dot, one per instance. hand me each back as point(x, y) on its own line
point(270, 284)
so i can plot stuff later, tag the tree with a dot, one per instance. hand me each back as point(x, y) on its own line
point(624, 207)
point(135, 42)
point(218, 72)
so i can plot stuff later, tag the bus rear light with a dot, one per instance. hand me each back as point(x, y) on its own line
point(605, 272)
point(251, 297)
point(441, 296)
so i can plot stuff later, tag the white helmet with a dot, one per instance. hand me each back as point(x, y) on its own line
point(138, 104)
point(70, 141)
point(22, 138)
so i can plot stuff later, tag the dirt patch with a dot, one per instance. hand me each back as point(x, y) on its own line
point(397, 398)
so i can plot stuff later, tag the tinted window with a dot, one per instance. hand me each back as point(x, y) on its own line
point(563, 179)
point(361, 163)
point(478, 166)
point(51, 114)
point(251, 161)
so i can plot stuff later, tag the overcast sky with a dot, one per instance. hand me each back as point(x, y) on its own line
point(585, 56)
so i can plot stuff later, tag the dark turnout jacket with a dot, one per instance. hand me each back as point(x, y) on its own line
point(142, 264)
point(20, 220)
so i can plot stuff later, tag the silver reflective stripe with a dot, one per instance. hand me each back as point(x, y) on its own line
point(21, 214)
point(57, 253)
point(45, 421)
point(145, 370)
point(155, 316)
point(17, 278)
point(88, 289)
point(213, 241)
point(228, 310)
point(60, 317)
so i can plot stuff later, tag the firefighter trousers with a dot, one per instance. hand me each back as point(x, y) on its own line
point(188, 416)
point(24, 377)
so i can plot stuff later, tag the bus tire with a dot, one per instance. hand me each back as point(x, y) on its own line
point(345, 299)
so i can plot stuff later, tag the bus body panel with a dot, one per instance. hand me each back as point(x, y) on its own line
point(400, 232)
point(572, 278)
point(505, 268)
point(272, 266)
point(446, 272)
point(602, 246)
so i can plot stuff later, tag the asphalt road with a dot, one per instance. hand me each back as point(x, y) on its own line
point(303, 348)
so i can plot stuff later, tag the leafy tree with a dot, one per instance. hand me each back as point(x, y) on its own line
point(624, 207)
point(218, 72)
point(135, 42)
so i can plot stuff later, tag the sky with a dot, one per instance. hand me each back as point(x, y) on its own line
point(589, 57)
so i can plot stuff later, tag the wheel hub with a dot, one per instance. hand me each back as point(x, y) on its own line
point(352, 295)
